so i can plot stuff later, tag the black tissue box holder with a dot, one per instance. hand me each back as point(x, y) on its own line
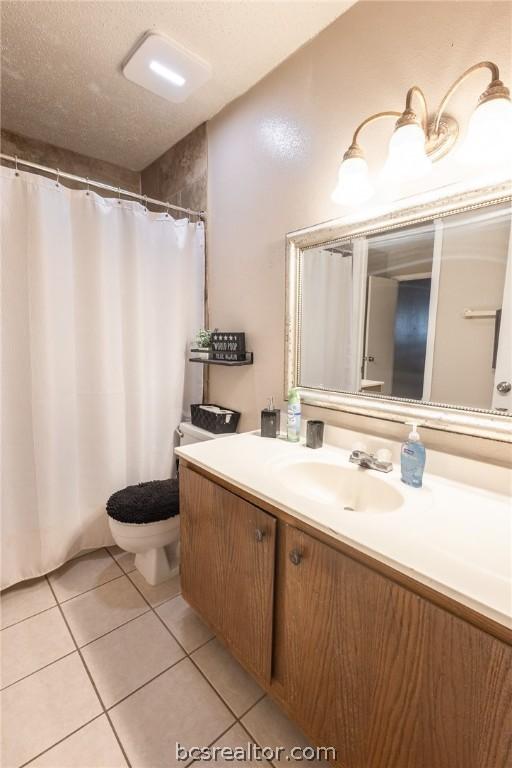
point(218, 423)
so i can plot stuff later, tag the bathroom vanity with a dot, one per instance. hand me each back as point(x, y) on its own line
point(378, 616)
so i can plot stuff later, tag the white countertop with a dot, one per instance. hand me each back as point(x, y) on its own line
point(450, 535)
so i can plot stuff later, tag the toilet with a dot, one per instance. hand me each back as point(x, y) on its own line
point(156, 543)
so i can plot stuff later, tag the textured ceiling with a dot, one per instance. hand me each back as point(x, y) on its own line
point(61, 66)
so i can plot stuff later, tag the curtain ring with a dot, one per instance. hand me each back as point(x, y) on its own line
point(87, 187)
point(167, 211)
point(58, 174)
point(146, 203)
point(16, 172)
point(119, 195)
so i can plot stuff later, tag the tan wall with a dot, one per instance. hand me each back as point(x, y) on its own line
point(56, 157)
point(273, 156)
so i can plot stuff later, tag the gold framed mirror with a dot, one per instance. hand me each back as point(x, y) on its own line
point(405, 313)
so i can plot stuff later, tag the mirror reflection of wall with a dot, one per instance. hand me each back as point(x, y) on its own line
point(422, 312)
point(476, 255)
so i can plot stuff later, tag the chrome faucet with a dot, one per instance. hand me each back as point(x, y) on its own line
point(369, 461)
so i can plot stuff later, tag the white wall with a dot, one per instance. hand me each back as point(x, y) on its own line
point(274, 154)
point(472, 276)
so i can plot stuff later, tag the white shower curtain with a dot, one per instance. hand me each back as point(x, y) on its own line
point(333, 300)
point(326, 338)
point(100, 300)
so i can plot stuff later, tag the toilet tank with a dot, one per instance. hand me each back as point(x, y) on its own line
point(188, 434)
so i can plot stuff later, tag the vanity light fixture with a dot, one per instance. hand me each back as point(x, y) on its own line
point(417, 141)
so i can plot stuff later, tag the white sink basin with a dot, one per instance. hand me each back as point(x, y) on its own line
point(454, 534)
point(351, 489)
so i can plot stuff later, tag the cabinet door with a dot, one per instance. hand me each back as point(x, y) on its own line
point(227, 567)
point(384, 676)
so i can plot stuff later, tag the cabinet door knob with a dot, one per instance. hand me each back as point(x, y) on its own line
point(260, 535)
point(295, 556)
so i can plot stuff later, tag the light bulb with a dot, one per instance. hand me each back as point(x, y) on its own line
point(168, 74)
point(353, 185)
point(407, 158)
point(489, 135)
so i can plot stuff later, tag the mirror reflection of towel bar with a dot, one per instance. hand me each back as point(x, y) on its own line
point(469, 313)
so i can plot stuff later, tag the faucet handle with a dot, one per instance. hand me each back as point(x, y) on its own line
point(361, 458)
point(384, 454)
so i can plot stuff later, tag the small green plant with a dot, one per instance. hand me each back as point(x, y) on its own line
point(204, 338)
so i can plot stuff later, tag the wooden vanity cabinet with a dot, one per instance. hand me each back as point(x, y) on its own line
point(384, 676)
point(359, 661)
point(227, 568)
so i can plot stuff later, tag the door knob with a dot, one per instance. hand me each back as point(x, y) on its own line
point(295, 556)
point(504, 387)
point(260, 535)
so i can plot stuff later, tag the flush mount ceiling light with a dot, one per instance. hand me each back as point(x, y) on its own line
point(416, 142)
point(169, 74)
point(164, 67)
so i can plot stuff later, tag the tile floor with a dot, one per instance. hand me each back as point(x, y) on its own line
point(101, 670)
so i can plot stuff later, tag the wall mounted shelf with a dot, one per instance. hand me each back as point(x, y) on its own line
point(249, 359)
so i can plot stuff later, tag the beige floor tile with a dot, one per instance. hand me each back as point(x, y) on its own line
point(236, 687)
point(32, 644)
point(83, 573)
point(44, 708)
point(125, 559)
point(269, 725)
point(179, 706)
point(160, 593)
point(237, 739)
point(184, 623)
point(102, 609)
point(24, 600)
point(93, 746)
point(129, 656)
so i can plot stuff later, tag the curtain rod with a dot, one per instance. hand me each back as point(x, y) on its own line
point(100, 185)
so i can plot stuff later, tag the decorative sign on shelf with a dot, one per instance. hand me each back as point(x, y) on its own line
point(228, 345)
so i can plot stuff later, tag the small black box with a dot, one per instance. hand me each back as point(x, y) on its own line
point(227, 342)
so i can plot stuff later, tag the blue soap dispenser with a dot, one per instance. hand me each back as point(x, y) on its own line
point(412, 458)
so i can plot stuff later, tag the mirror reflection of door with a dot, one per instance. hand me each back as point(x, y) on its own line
point(379, 355)
point(397, 311)
point(411, 329)
point(502, 392)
